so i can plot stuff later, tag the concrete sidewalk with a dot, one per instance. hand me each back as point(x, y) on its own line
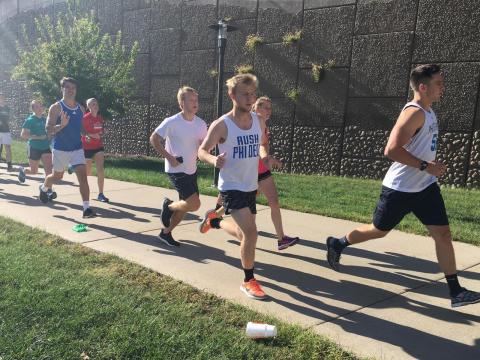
point(389, 301)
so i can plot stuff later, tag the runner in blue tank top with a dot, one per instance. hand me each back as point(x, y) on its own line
point(64, 126)
point(410, 185)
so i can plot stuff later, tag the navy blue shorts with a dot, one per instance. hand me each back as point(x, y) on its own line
point(185, 184)
point(235, 200)
point(427, 205)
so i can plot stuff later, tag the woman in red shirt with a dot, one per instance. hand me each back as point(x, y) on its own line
point(93, 144)
point(266, 185)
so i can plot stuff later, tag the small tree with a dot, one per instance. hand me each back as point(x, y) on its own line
point(75, 47)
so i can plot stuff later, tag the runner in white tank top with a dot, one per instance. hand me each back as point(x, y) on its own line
point(422, 145)
point(241, 149)
point(410, 185)
point(241, 140)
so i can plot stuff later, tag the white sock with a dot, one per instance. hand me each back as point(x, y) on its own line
point(44, 188)
point(86, 205)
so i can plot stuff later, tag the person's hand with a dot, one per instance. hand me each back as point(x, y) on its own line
point(436, 168)
point(220, 160)
point(274, 163)
point(173, 161)
point(64, 119)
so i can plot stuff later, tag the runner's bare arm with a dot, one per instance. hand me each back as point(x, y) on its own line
point(217, 133)
point(51, 126)
point(408, 123)
point(158, 144)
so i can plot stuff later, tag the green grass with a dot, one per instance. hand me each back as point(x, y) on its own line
point(60, 300)
point(344, 198)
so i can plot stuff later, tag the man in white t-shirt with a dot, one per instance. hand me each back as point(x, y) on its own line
point(177, 139)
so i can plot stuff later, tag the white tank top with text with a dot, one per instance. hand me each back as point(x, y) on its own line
point(240, 171)
point(422, 145)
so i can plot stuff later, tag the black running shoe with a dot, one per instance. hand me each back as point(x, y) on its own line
point(168, 239)
point(52, 195)
point(466, 297)
point(21, 175)
point(166, 212)
point(89, 213)
point(43, 195)
point(333, 254)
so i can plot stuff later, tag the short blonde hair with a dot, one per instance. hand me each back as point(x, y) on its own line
point(261, 100)
point(91, 100)
point(33, 103)
point(246, 79)
point(183, 91)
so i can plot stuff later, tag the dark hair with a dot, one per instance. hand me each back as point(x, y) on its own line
point(422, 74)
point(64, 80)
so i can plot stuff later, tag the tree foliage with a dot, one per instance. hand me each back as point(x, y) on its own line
point(75, 47)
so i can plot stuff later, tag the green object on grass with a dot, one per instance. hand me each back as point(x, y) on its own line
point(80, 228)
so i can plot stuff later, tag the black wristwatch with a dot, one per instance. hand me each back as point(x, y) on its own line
point(423, 165)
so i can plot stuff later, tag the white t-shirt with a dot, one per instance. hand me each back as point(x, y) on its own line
point(182, 138)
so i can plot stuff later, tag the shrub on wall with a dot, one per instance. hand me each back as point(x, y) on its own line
point(252, 42)
point(75, 47)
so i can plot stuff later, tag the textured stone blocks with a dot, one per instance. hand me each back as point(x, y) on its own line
point(385, 16)
point(456, 109)
point(195, 71)
point(322, 104)
point(165, 51)
point(276, 68)
point(380, 65)
point(373, 113)
point(327, 35)
point(195, 21)
point(316, 150)
point(363, 143)
point(275, 19)
point(447, 30)
point(136, 25)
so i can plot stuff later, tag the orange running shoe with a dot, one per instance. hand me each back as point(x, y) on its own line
point(253, 290)
point(205, 224)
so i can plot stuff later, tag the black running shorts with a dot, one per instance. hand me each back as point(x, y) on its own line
point(185, 184)
point(427, 205)
point(90, 153)
point(264, 175)
point(36, 154)
point(235, 200)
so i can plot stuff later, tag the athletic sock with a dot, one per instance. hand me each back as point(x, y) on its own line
point(453, 285)
point(218, 206)
point(44, 188)
point(248, 274)
point(215, 223)
point(86, 205)
point(341, 244)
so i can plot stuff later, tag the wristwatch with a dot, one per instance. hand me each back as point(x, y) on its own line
point(423, 165)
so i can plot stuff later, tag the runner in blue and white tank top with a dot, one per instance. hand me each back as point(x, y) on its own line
point(241, 140)
point(64, 126)
point(410, 185)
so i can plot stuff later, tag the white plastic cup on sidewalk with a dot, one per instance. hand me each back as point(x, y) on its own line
point(260, 330)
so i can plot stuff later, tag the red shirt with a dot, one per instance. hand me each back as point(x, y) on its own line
point(92, 125)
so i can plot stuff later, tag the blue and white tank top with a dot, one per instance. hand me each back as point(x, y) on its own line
point(240, 171)
point(422, 145)
point(69, 138)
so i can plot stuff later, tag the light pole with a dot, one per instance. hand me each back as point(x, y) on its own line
point(222, 28)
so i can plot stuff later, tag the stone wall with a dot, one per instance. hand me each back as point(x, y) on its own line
point(338, 125)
